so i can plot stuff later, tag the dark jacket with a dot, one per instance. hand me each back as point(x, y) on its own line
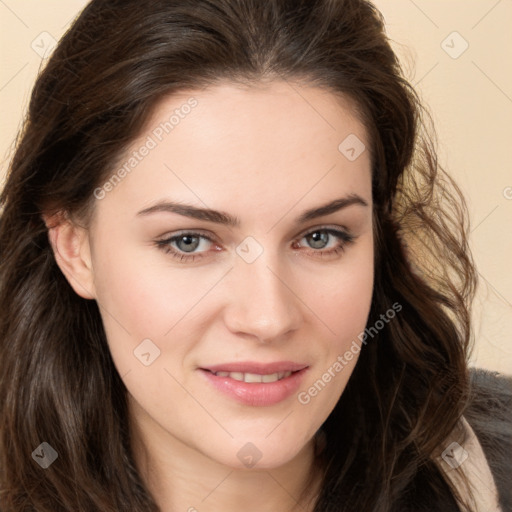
point(490, 416)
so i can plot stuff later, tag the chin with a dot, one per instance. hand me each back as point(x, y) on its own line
point(261, 453)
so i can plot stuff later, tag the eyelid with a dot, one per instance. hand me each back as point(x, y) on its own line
point(208, 235)
point(211, 237)
point(321, 227)
point(344, 236)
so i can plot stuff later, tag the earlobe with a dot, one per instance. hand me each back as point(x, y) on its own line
point(71, 249)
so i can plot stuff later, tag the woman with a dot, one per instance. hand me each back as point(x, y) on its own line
point(188, 172)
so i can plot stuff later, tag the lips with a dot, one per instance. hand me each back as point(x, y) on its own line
point(256, 384)
point(256, 368)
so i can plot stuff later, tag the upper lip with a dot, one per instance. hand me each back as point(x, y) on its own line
point(255, 367)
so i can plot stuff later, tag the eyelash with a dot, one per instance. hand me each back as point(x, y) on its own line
point(344, 237)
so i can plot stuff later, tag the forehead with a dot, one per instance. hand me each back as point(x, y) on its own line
point(275, 142)
point(263, 109)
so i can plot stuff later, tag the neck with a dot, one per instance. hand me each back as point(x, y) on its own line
point(181, 478)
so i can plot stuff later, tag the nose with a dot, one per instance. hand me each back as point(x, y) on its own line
point(262, 302)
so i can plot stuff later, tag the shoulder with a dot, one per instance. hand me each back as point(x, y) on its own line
point(481, 446)
point(466, 456)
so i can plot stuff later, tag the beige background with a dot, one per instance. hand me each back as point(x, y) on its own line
point(468, 90)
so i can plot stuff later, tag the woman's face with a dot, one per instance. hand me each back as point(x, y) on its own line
point(206, 314)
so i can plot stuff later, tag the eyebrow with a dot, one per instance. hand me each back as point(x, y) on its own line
point(220, 217)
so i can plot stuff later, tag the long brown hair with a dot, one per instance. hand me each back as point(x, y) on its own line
point(58, 383)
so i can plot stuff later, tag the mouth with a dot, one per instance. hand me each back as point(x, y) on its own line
point(256, 384)
point(254, 377)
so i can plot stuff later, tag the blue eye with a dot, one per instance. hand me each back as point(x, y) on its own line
point(183, 246)
point(186, 244)
point(320, 238)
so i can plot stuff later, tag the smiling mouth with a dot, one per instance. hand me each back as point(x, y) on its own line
point(254, 377)
point(256, 384)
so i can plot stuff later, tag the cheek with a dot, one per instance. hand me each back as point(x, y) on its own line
point(342, 307)
point(144, 294)
point(343, 299)
point(142, 299)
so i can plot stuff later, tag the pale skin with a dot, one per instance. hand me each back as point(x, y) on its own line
point(264, 155)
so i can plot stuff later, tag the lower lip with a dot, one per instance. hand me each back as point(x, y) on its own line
point(257, 394)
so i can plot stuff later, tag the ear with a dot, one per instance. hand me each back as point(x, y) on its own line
point(71, 248)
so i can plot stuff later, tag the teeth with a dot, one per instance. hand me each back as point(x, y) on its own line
point(254, 377)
